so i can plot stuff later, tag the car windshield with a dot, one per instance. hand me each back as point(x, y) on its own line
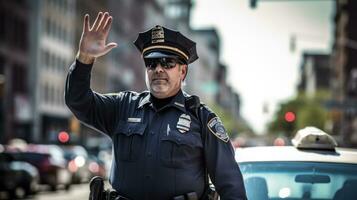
point(299, 180)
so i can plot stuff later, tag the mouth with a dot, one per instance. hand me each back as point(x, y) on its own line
point(159, 79)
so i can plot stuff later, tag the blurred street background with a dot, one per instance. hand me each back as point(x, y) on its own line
point(45, 153)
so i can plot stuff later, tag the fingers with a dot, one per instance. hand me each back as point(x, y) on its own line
point(86, 23)
point(103, 21)
point(97, 20)
point(108, 25)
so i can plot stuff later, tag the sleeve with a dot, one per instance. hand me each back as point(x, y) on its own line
point(219, 158)
point(93, 109)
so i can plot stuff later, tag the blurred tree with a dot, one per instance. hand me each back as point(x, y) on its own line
point(309, 111)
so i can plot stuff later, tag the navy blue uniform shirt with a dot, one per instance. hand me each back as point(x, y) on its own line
point(158, 154)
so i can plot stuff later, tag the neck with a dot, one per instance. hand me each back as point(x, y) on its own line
point(160, 103)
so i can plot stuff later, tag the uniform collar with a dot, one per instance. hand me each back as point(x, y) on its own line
point(145, 100)
point(178, 101)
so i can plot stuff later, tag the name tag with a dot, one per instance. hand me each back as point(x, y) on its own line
point(136, 120)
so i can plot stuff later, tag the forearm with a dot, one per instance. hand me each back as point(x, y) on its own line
point(229, 184)
point(226, 175)
point(219, 159)
point(94, 109)
point(78, 95)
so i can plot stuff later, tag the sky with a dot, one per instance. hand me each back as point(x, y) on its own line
point(255, 47)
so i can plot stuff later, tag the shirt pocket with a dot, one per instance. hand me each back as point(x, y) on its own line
point(178, 150)
point(129, 140)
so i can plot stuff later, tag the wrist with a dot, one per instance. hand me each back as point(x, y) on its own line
point(84, 58)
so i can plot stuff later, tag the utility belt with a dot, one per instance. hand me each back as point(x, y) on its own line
point(209, 194)
point(97, 192)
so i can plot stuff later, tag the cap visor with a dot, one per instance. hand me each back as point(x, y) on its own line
point(157, 54)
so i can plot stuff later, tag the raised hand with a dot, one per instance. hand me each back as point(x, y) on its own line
point(93, 40)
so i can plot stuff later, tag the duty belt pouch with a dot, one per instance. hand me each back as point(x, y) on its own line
point(97, 191)
point(96, 187)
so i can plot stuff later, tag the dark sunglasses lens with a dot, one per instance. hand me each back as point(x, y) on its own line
point(170, 63)
point(150, 63)
point(166, 63)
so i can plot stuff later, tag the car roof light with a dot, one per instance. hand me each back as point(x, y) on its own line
point(313, 138)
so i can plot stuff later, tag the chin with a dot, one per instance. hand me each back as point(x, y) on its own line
point(159, 93)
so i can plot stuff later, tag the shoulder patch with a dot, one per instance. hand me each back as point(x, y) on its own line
point(216, 127)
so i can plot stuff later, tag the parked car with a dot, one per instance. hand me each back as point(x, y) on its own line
point(18, 179)
point(97, 167)
point(314, 168)
point(77, 162)
point(50, 162)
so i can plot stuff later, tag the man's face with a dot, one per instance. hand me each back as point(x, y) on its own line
point(164, 76)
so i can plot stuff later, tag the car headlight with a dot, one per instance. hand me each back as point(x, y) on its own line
point(79, 161)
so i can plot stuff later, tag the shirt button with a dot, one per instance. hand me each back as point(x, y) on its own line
point(147, 176)
point(152, 132)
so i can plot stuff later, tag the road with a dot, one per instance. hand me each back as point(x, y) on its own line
point(77, 192)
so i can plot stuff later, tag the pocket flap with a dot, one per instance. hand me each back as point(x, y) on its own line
point(189, 139)
point(129, 128)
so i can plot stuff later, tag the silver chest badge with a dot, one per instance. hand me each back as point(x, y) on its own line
point(184, 123)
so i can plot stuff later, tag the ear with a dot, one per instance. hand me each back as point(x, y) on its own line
point(184, 71)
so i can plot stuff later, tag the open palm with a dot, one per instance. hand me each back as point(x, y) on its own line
point(93, 40)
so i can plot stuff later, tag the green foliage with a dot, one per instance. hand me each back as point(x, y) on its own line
point(309, 112)
point(312, 114)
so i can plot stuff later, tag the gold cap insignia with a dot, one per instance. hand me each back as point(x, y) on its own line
point(157, 34)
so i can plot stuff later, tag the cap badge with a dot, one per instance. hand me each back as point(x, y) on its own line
point(184, 123)
point(157, 34)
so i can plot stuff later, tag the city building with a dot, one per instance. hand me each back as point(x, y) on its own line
point(315, 73)
point(344, 70)
point(52, 50)
point(15, 85)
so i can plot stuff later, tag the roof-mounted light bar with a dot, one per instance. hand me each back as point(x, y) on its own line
point(313, 138)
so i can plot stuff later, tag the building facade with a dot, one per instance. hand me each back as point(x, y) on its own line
point(344, 69)
point(15, 88)
point(52, 49)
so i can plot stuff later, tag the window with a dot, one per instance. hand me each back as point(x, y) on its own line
point(3, 18)
point(45, 93)
point(19, 79)
point(298, 180)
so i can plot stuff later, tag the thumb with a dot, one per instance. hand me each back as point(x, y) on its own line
point(109, 47)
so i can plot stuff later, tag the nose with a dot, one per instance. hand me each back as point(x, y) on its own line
point(159, 68)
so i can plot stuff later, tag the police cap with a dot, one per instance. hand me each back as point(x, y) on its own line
point(161, 42)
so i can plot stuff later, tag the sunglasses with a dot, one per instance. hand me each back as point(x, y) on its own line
point(166, 63)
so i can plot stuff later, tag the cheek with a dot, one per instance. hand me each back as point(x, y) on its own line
point(149, 74)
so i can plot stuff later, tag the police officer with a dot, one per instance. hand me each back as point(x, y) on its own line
point(165, 141)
